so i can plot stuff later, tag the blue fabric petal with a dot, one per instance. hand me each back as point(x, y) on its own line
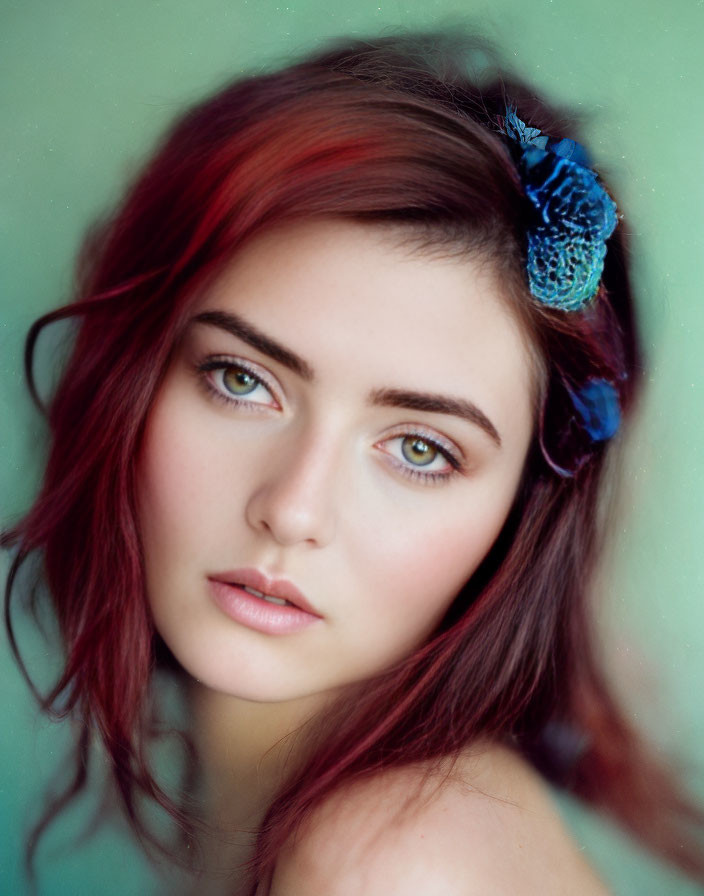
point(570, 149)
point(518, 130)
point(598, 405)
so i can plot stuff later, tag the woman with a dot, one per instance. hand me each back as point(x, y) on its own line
point(333, 441)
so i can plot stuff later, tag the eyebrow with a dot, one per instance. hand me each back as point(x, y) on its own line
point(238, 327)
point(436, 404)
point(399, 398)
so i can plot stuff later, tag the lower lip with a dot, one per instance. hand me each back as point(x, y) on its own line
point(259, 614)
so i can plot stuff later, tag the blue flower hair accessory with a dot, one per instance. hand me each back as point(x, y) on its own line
point(598, 407)
point(582, 417)
point(574, 216)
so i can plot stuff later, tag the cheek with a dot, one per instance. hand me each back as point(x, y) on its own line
point(435, 564)
point(172, 476)
point(417, 574)
point(408, 583)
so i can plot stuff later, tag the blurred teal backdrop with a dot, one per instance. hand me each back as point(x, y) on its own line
point(85, 88)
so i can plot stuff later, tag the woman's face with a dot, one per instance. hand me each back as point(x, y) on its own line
point(343, 428)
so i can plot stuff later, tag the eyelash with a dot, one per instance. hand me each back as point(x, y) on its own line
point(416, 474)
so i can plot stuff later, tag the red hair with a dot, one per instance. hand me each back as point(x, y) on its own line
point(397, 132)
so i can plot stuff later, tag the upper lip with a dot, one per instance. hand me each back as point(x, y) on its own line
point(275, 587)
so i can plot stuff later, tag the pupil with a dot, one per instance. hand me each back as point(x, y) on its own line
point(418, 451)
point(239, 381)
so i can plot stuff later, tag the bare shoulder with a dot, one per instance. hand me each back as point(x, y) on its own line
point(486, 826)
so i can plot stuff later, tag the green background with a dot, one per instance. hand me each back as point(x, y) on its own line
point(85, 88)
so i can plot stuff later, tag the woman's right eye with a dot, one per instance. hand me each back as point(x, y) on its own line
point(236, 383)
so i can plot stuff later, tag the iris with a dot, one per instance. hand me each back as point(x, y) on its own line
point(418, 451)
point(239, 381)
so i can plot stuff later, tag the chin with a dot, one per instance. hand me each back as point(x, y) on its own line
point(247, 680)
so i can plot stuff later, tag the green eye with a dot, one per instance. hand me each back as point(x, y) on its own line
point(418, 451)
point(238, 381)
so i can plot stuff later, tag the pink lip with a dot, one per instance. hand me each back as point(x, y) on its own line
point(228, 593)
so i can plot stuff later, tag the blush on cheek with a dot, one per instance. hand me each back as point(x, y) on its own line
point(443, 564)
point(171, 462)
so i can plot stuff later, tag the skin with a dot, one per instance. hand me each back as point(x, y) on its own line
point(317, 475)
point(489, 830)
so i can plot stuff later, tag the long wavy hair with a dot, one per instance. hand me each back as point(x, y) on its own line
point(399, 131)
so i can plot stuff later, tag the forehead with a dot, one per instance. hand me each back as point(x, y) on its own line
point(361, 305)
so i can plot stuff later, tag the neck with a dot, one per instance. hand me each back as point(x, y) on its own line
point(246, 750)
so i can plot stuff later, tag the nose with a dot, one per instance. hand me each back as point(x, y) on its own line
point(293, 498)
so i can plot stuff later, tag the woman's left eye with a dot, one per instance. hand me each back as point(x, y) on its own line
point(421, 457)
point(236, 383)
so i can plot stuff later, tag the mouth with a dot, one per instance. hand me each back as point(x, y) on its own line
point(269, 598)
point(274, 606)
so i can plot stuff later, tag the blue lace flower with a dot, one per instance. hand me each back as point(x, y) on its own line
point(574, 216)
